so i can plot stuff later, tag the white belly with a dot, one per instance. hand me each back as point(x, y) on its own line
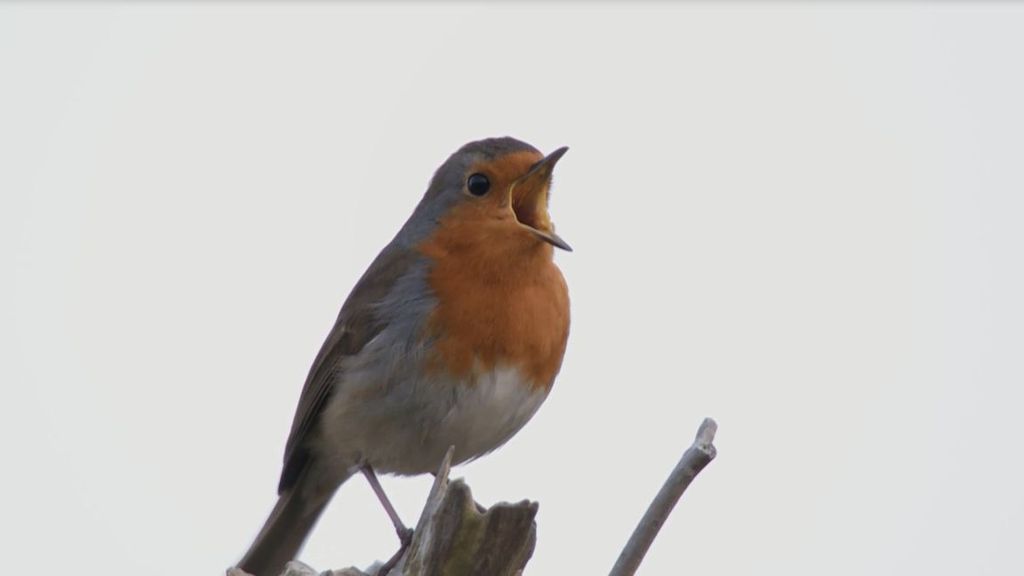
point(488, 412)
point(407, 427)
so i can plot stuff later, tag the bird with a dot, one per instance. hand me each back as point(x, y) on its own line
point(452, 337)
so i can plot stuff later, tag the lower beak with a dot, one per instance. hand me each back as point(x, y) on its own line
point(529, 199)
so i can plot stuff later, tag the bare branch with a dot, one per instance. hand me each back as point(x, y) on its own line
point(456, 536)
point(699, 455)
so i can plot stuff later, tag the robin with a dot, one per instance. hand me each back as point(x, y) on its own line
point(452, 337)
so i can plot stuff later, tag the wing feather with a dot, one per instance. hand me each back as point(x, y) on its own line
point(357, 324)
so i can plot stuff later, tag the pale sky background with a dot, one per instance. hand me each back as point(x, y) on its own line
point(805, 221)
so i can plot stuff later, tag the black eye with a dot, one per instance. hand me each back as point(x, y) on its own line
point(478, 184)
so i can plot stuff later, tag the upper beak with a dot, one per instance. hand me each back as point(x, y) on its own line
point(529, 197)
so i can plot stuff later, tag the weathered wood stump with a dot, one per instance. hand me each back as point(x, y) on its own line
point(456, 537)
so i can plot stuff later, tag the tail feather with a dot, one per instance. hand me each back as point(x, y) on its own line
point(283, 534)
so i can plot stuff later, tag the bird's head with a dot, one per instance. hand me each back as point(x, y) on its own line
point(495, 190)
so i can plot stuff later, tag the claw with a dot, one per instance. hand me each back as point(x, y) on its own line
point(405, 537)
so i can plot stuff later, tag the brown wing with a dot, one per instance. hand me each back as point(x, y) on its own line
point(357, 324)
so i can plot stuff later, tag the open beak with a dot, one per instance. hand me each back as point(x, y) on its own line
point(529, 199)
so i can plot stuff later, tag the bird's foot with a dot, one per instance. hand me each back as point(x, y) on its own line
point(405, 537)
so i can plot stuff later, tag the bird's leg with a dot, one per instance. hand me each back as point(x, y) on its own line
point(404, 534)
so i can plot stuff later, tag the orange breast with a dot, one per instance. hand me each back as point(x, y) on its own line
point(501, 299)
